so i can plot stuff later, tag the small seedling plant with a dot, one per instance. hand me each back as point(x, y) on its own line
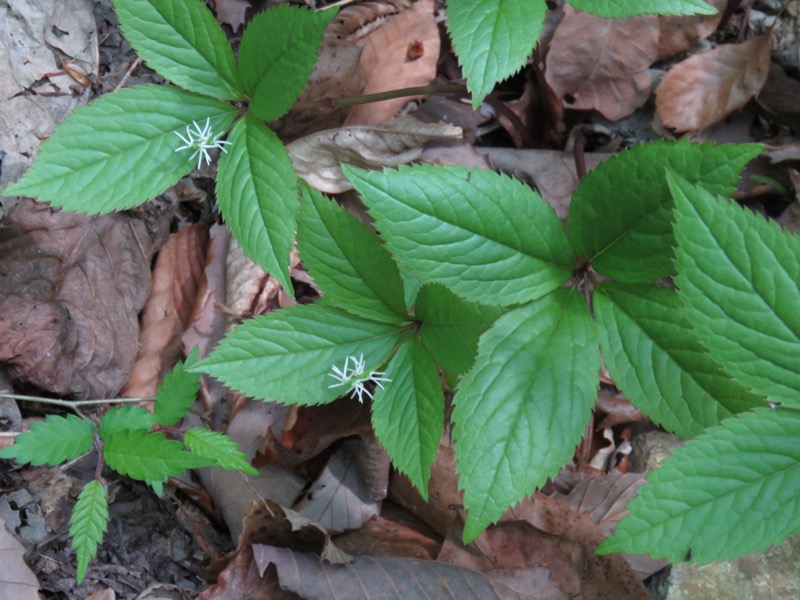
point(475, 286)
point(131, 441)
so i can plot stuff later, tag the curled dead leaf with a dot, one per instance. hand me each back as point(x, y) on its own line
point(607, 70)
point(705, 88)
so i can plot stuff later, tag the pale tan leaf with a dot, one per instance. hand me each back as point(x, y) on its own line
point(602, 64)
point(705, 88)
point(402, 52)
point(317, 157)
point(176, 279)
point(17, 581)
point(232, 12)
point(681, 33)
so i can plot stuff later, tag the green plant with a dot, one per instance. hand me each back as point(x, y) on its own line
point(131, 441)
point(529, 384)
point(487, 290)
point(735, 489)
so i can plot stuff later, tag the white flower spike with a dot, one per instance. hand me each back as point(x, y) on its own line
point(354, 377)
point(201, 141)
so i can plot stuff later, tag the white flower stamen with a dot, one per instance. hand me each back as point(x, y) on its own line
point(354, 377)
point(201, 141)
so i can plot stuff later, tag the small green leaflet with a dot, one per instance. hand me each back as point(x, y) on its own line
point(276, 56)
point(655, 358)
point(616, 9)
point(287, 356)
point(408, 414)
point(347, 261)
point(123, 418)
point(88, 523)
point(52, 442)
point(451, 327)
point(732, 491)
point(182, 41)
point(119, 151)
point(739, 278)
point(635, 242)
point(218, 447)
point(257, 195)
point(487, 237)
point(522, 409)
point(177, 392)
point(149, 456)
point(493, 39)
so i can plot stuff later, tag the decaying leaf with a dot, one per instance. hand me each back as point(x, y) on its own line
point(706, 87)
point(318, 157)
point(176, 279)
point(681, 33)
point(389, 578)
point(338, 499)
point(232, 12)
point(16, 579)
point(71, 288)
point(401, 53)
point(602, 64)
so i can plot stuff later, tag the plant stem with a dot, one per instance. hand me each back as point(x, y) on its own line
point(75, 403)
point(425, 90)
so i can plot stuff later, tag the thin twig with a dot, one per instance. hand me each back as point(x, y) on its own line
point(75, 403)
point(425, 90)
point(128, 73)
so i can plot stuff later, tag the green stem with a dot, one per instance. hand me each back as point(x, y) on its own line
point(425, 90)
point(75, 403)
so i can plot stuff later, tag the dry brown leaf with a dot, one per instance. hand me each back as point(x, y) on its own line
point(392, 533)
point(705, 88)
point(388, 578)
point(602, 64)
point(338, 499)
point(373, 464)
point(610, 573)
point(681, 33)
point(336, 73)
point(604, 500)
point(176, 279)
point(318, 157)
point(780, 97)
point(17, 581)
point(444, 497)
point(71, 290)
point(402, 52)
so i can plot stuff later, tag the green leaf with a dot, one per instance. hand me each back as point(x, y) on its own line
point(88, 523)
point(257, 195)
point(450, 327)
point(739, 277)
point(522, 409)
point(732, 491)
point(487, 237)
point(149, 456)
point(408, 414)
point(182, 41)
point(615, 9)
point(124, 418)
point(347, 261)
point(655, 358)
point(493, 39)
point(287, 356)
point(177, 392)
point(119, 151)
point(278, 51)
point(52, 442)
point(629, 195)
point(218, 447)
